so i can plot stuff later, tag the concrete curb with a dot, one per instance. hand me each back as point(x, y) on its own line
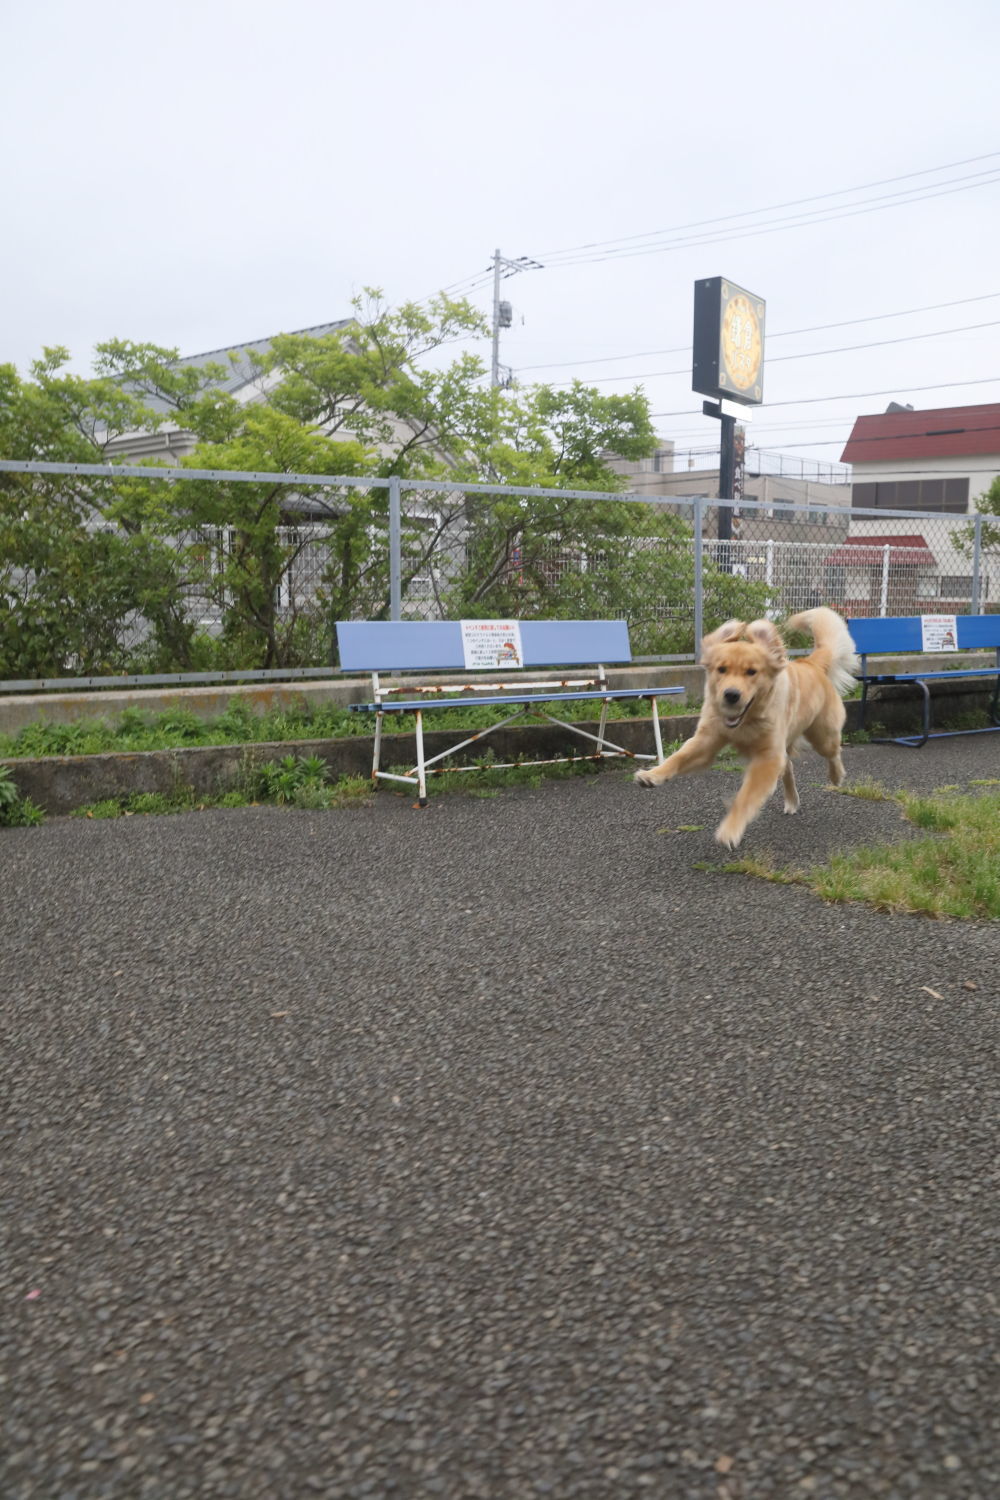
point(61, 783)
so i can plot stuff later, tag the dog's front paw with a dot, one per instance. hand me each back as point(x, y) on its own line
point(643, 778)
point(728, 834)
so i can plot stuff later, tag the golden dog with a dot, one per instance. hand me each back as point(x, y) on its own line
point(762, 704)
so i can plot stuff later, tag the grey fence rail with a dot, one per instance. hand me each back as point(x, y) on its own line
point(255, 567)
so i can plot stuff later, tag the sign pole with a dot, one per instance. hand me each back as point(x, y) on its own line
point(727, 474)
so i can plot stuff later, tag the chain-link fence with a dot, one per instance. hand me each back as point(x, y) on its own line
point(861, 562)
point(110, 570)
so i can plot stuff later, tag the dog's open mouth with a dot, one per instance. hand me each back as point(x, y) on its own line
point(735, 723)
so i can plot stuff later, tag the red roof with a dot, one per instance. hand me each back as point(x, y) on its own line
point(910, 551)
point(946, 432)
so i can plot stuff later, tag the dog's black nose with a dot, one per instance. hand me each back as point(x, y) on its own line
point(732, 695)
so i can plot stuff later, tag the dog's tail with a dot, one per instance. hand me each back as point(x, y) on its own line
point(835, 652)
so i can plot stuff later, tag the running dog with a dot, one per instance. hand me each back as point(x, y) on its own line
point(763, 704)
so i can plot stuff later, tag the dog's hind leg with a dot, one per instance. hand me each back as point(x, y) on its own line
point(826, 742)
point(791, 790)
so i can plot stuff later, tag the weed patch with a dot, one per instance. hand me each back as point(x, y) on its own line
point(953, 871)
point(16, 811)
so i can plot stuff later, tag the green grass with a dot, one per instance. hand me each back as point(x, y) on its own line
point(953, 871)
point(294, 781)
point(303, 782)
point(867, 789)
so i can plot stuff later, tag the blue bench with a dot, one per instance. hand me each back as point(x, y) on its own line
point(904, 635)
point(432, 646)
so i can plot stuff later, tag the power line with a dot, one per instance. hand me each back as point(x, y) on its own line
point(946, 385)
point(795, 221)
point(914, 473)
point(773, 207)
point(691, 433)
point(777, 453)
point(784, 334)
point(570, 257)
point(908, 338)
point(689, 242)
point(894, 437)
point(469, 283)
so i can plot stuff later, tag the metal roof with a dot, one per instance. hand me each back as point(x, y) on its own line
point(910, 551)
point(945, 432)
point(241, 371)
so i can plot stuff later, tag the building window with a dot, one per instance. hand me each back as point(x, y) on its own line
point(950, 495)
point(956, 586)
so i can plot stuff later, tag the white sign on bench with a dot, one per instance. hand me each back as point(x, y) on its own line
point(938, 633)
point(492, 643)
point(434, 646)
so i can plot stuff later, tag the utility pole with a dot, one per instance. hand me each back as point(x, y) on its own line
point(502, 314)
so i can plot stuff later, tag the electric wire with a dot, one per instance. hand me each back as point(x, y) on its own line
point(908, 338)
point(847, 211)
point(773, 207)
point(945, 385)
point(783, 334)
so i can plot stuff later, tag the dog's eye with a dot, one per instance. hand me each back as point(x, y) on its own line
point(723, 669)
point(751, 671)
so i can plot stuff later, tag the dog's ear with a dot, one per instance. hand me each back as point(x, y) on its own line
point(727, 632)
point(765, 634)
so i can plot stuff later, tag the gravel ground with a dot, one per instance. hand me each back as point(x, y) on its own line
point(494, 1151)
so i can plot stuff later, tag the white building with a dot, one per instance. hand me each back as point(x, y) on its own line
point(937, 461)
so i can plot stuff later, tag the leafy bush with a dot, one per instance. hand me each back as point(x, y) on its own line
point(16, 811)
point(297, 779)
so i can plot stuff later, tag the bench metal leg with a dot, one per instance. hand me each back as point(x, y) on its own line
point(421, 770)
point(914, 742)
point(377, 755)
point(657, 737)
point(601, 728)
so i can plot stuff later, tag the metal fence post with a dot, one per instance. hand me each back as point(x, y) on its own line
point(699, 630)
point(975, 605)
point(884, 599)
point(395, 549)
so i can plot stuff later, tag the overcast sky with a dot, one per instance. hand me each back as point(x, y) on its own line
point(201, 174)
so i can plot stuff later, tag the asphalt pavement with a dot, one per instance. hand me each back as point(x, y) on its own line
point(496, 1150)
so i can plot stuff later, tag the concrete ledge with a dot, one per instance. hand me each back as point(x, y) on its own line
point(17, 710)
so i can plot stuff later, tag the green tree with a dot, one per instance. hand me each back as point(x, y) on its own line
point(87, 566)
point(988, 504)
point(73, 588)
point(361, 401)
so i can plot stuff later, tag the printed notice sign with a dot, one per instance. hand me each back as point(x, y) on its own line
point(939, 632)
point(491, 643)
